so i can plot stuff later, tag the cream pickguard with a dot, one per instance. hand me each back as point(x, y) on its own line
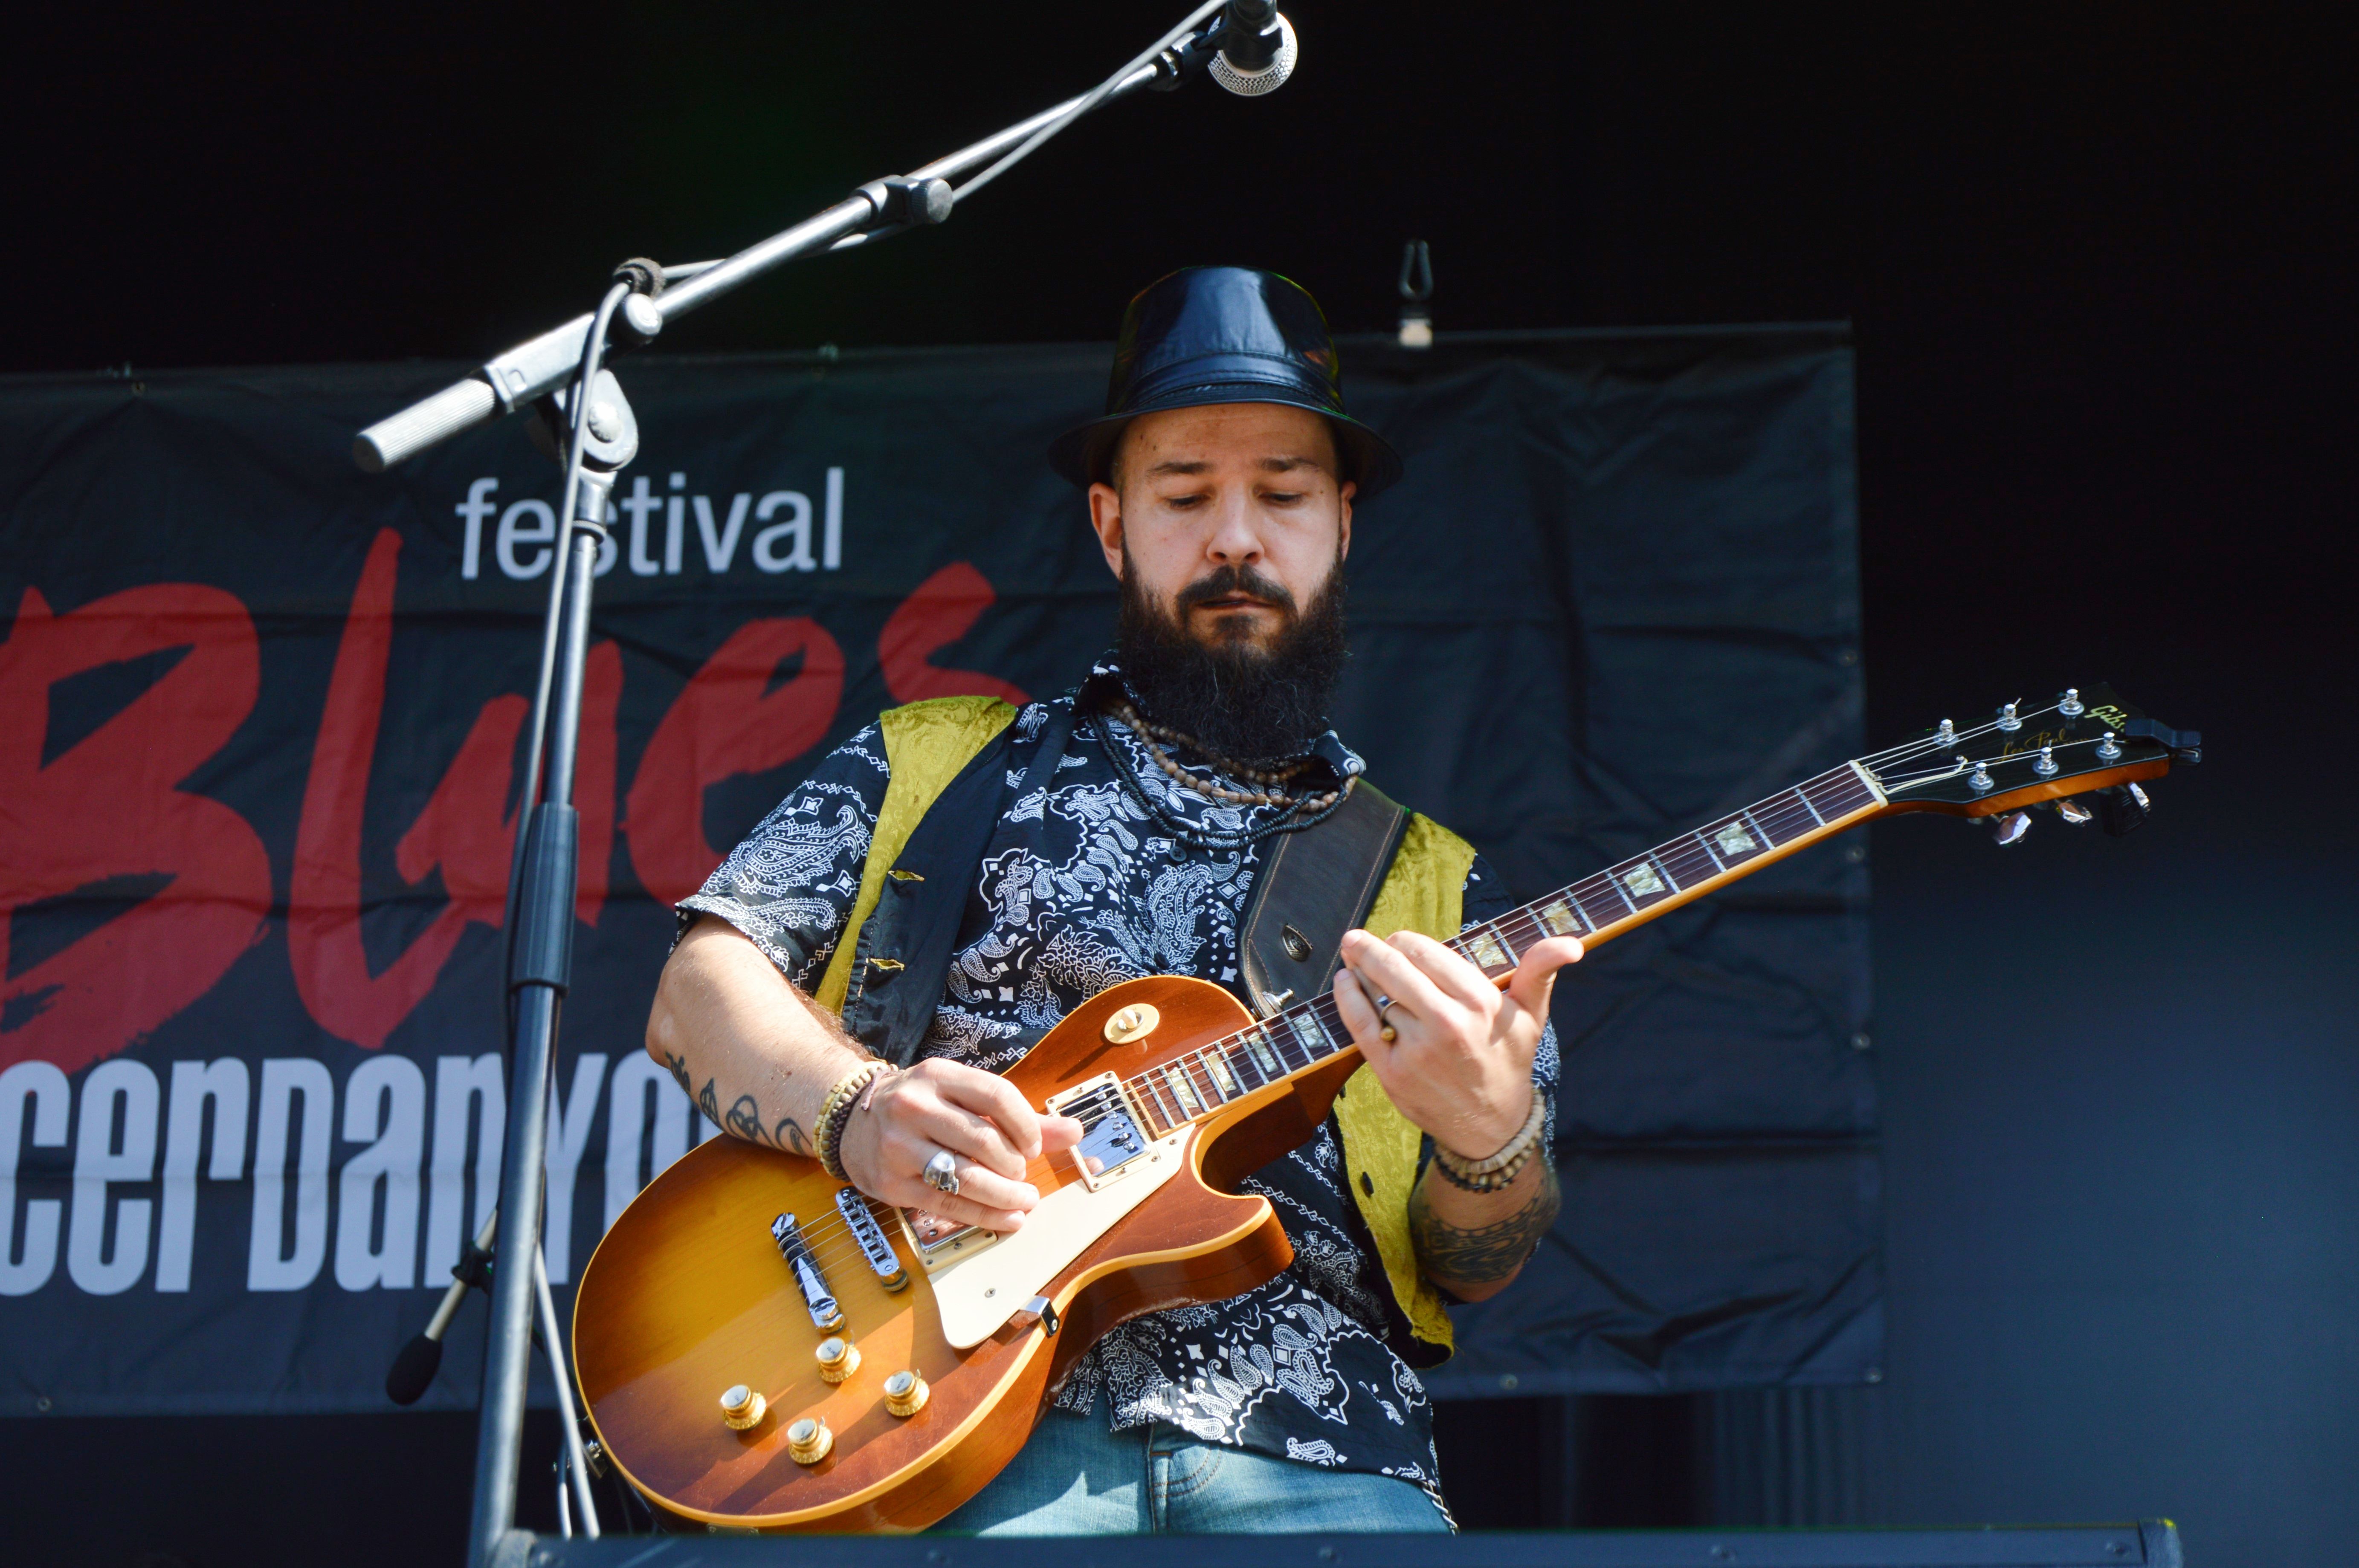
point(981, 1280)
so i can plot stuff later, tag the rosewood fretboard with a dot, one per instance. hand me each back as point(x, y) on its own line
point(1301, 1036)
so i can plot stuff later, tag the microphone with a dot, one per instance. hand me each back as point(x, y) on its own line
point(1257, 48)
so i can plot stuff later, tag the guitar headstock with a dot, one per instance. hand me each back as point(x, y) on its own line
point(2077, 743)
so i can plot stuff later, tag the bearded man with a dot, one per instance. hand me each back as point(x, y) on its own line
point(1122, 828)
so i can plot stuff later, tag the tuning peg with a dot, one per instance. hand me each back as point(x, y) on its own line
point(2012, 827)
point(2072, 811)
point(1947, 735)
point(2046, 766)
point(2109, 750)
point(2071, 707)
point(1980, 780)
point(2006, 718)
point(2123, 809)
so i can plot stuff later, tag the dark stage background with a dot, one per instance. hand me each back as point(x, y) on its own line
point(2097, 265)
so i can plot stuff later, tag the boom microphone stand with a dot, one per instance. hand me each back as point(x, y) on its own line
point(1250, 49)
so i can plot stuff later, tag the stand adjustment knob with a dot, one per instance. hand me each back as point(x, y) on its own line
point(838, 1360)
point(808, 1441)
point(742, 1409)
point(905, 1394)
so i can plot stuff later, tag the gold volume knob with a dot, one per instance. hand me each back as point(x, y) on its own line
point(809, 1440)
point(742, 1409)
point(905, 1393)
point(838, 1358)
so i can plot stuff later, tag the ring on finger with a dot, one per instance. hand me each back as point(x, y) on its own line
point(941, 1174)
point(1385, 1029)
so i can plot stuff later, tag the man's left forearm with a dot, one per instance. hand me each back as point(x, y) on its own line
point(1473, 1244)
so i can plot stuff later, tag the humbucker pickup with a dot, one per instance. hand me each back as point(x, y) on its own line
point(1110, 1139)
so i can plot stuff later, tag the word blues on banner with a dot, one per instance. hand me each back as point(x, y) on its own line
point(780, 531)
point(380, 1197)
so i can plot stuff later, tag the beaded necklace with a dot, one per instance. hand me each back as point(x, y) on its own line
point(1296, 812)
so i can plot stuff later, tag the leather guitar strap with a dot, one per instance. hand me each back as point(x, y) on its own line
point(1314, 886)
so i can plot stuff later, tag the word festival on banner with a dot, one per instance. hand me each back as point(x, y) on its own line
point(524, 538)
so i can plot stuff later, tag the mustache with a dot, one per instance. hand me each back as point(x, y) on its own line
point(1234, 579)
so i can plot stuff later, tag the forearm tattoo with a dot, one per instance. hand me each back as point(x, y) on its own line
point(1487, 1252)
point(744, 1115)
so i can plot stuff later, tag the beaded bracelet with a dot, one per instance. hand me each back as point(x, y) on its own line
point(1501, 1169)
point(835, 1112)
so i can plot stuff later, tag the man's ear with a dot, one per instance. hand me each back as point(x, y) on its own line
point(1343, 509)
point(1105, 517)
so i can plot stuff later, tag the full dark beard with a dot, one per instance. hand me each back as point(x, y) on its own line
point(1243, 701)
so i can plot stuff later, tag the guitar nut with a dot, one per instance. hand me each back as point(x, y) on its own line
point(838, 1360)
point(905, 1394)
point(742, 1409)
point(808, 1441)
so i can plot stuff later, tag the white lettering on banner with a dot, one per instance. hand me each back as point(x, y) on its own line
point(720, 545)
point(475, 509)
point(807, 538)
point(542, 533)
point(569, 1134)
point(269, 1264)
point(385, 1106)
point(797, 526)
point(100, 1159)
point(28, 1256)
point(459, 1084)
point(672, 529)
point(224, 1085)
point(343, 1189)
point(832, 553)
point(642, 1138)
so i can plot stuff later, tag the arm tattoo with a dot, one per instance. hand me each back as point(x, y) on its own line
point(746, 1120)
point(789, 1136)
point(678, 1066)
point(1487, 1252)
point(709, 1104)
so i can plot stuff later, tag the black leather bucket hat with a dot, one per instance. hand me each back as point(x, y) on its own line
point(1225, 334)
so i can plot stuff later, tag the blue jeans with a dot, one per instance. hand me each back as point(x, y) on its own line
point(1074, 1477)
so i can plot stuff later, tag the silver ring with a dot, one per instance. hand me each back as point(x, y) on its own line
point(941, 1174)
point(1385, 1029)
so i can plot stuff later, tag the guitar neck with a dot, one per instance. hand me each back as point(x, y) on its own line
point(1311, 1034)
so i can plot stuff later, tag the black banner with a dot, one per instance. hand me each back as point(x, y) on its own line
point(259, 740)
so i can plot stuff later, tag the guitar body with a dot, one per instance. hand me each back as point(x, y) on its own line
point(688, 1295)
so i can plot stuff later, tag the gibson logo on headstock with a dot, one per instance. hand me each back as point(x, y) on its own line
point(2112, 718)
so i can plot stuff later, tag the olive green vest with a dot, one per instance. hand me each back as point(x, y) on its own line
point(929, 743)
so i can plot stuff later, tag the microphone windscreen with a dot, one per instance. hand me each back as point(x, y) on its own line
point(413, 1370)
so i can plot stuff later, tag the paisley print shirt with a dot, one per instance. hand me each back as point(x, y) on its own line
point(1079, 889)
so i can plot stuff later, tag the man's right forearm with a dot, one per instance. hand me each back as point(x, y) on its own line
point(755, 1054)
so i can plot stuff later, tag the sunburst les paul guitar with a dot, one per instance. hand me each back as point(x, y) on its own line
point(760, 1346)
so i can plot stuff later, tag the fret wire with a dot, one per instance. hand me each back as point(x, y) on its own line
point(1218, 1078)
point(1705, 844)
point(1766, 841)
point(1655, 860)
point(1241, 1063)
point(1209, 1080)
point(1813, 810)
point(1165, 1110)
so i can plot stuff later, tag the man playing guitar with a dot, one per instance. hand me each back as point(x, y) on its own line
point(1220, 485)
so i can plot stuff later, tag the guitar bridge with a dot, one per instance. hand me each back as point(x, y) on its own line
point(825, 1314)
